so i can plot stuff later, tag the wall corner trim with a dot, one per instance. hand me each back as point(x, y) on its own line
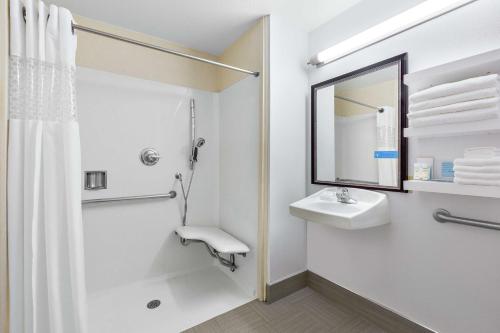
point(286, 287)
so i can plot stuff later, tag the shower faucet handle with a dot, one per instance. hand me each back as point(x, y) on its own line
point(149, 156)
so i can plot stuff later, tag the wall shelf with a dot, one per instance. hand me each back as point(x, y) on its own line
point(477, 65)
point(452, 188)
point(490, 126)
point(481, 64)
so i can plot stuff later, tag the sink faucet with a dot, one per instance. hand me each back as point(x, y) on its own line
point(344, 196)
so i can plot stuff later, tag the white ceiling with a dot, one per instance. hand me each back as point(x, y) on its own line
point(208, 25)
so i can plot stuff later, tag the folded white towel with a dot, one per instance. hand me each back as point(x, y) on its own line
point(477, 162)
point(457, 107)
point(478, 175)
point(457, 117)
point(481, 152)
point(453, 88)
point(469, 181)
point(453, 99)
point(481, 169)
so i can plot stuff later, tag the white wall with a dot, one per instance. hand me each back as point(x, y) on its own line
point(288, 97)
point(443, 276)
point(119, 116)
point(239, 173)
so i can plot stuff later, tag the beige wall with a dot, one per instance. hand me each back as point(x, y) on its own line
point(246, 52)
point(110, 55)
point(4, 40)
point(379, 94)
point(122, 58)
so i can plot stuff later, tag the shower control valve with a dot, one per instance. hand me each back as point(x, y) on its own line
point(149, 156)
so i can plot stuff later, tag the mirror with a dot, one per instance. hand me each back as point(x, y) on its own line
point(357, 128)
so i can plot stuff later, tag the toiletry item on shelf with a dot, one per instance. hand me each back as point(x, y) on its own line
point(480, 166)
point(423, 168)
point(447, 172)
point(421, 171)
point(429, 161)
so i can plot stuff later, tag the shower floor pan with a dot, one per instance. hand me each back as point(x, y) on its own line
point(185, 301)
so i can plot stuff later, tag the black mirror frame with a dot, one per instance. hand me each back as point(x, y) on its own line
point(403, 110)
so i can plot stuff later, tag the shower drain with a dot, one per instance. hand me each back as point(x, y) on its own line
point(153, 304)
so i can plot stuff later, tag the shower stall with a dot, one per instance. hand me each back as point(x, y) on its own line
point(170, 179)
point(133, 255)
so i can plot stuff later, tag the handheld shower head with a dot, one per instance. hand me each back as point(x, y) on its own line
point(194, 151)
point(200, 142)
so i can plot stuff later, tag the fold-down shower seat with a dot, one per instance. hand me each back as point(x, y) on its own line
point(217, 241)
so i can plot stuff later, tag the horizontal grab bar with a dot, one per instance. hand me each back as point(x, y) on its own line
point(169, 195)
point(443, 216)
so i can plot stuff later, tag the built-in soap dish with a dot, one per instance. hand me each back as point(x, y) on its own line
point(96, 180)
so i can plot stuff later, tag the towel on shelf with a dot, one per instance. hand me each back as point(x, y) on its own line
point(457, 107)
point(453, 88)
point(469, 181)
point(482, 169)
point(457, 117)
point(481, 152)
point(477, 162)
point(453, 99)
point(477, 175)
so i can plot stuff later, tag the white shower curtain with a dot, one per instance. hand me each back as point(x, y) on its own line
point(387, 144)
point(46, 264)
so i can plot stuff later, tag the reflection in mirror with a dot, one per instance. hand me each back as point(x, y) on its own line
point(357, 127)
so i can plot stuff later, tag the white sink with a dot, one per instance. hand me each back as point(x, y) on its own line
point(370, 210)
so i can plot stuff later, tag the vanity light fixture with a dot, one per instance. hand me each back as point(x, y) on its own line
point(408, 19)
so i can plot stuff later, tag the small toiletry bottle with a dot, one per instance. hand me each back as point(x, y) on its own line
point(447, 172)
point(422, 171)
point(417, 171)
point(426, 172)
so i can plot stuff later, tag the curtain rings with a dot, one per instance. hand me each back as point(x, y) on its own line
point(48, 16)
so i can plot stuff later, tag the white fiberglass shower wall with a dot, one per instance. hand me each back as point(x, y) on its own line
point(132, 253)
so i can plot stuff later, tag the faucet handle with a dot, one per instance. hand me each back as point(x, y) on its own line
point(341, 193)
point(344, 196)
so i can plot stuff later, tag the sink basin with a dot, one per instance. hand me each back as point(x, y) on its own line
point(370, 210)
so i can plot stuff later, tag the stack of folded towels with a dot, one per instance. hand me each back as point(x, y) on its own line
point(463, 101)
point(480, 166)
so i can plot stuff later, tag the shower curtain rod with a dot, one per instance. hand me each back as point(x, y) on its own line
point(360, 103)
point(161, 49)
point(75, 26)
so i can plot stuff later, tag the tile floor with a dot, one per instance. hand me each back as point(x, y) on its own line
point(303, 311)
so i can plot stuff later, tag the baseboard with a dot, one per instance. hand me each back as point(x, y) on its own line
point(286, 287)
point(382, 316)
